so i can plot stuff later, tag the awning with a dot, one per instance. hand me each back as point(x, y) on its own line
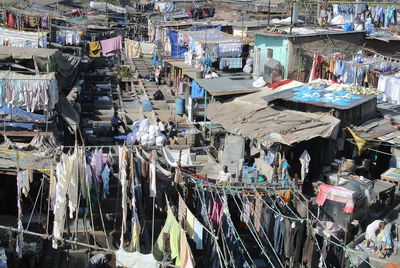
point(48, 60)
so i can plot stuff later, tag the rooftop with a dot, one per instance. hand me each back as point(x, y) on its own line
point(226, 84)
point(307, 31)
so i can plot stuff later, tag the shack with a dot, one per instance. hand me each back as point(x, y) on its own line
point(295, 50)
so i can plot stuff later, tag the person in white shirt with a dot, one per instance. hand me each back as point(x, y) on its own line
point(372, 229)
point(224, 175)
point(161, 125)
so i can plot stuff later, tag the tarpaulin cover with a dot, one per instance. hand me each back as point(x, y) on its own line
point(197, 90)
point(18, 112)
point(271, 126)
point(68, 112)
point(28, 126)
point(338, 194)
point(341, 98)
point(177, 52)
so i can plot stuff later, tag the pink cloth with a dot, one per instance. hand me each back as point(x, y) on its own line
point(216, 214)
point(112, 46)
point(338, 194)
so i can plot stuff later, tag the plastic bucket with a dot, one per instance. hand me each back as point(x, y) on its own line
point(180, 105)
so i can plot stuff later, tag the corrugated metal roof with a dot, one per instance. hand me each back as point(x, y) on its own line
point(226, 84)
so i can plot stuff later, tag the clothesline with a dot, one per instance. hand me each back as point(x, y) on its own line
point(383, 56)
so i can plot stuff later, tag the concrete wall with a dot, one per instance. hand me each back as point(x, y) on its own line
point(301, 50)
point(280, 46)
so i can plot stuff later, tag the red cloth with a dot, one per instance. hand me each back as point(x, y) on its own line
point(317, 66)
point(338, 194)
point(10, 20)
point(280, 83)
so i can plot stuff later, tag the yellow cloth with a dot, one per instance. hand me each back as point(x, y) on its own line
point(190, 224)
point(359, 141)
point(135, 243)
point(94, 49)
point(172, 228)
point(132, 48)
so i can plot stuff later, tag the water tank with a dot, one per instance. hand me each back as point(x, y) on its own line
point(147, 106)
point(180, 105)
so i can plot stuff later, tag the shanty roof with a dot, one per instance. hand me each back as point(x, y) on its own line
point(307, 31)
point(384, 37)
point(18, 53)
point(378, 129)
point(226, 84)
point(272, 125)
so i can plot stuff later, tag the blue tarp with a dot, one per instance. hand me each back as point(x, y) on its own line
point(197, 91)
point(15, 111)
point(177, 52)
point(28, 126)
point(341, 98)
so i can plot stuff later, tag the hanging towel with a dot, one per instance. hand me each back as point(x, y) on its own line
point(94, 49)
point(112, 46)
point(147, 49)
point(132, 48)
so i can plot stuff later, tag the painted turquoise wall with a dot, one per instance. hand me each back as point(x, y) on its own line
point(280, 46)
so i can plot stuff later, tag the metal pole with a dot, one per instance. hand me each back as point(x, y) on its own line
point(269, 11)
point(205, 109)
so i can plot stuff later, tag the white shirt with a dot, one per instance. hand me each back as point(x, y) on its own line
point(161, 126)
point(222, 176)
point(372, 228)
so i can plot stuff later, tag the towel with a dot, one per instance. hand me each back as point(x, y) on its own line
point(112, 46)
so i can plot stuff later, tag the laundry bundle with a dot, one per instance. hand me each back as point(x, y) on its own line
point(149, 135)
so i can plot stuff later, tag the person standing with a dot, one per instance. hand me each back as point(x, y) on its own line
point(224, 175)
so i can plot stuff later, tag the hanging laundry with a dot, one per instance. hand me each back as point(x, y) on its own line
point(231, 63)
point(122, 153)
point(68, 37)
point(172, 228)
point(10, 20)
point(72, 181)
point(111, 47)
point(134, 260)
point(177, 158)
point(61, 200)
point(185, 252)
point(147, 49)
point(94, 49)
point(36, 92)
point(230, 50)
point(305, 159)
point(198, 234)
point(152, 180)
point(132, 48)
point(216, 214)
point(189, 224)
point(316, 69)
